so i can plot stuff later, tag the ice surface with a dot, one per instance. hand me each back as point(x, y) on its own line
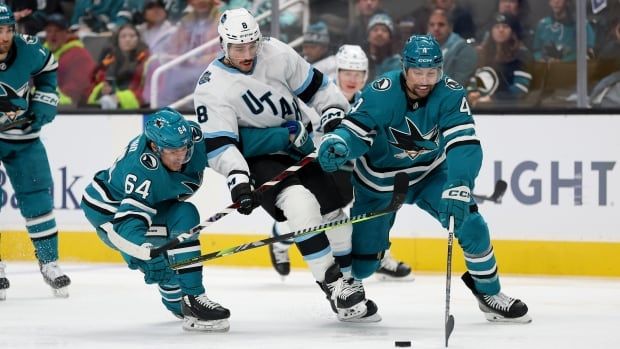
point(110, 307)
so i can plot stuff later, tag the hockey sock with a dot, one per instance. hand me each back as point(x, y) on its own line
point(44, 235)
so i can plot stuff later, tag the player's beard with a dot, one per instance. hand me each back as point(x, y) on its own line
point(419, 91)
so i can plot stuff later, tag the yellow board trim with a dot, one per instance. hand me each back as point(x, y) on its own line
point(423, 254)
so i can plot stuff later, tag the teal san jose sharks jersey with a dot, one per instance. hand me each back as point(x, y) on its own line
point(127, 193)
point(387, 132)
point(27, 61)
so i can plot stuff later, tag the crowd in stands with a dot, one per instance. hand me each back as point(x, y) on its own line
point(108, 50)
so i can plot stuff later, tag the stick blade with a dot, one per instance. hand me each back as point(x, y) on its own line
point(449, 328)
point(499, 191)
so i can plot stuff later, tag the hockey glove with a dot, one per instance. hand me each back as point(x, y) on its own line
point(156, 270)
point(330, 119)
point(43, 113)
point(301, 143)
point(455, 202)
point(333, 152)
point(241, 192)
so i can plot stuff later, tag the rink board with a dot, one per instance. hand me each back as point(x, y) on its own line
point(557, 217)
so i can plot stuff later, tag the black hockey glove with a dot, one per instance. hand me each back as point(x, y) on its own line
point(330, 119)
point(247, 199)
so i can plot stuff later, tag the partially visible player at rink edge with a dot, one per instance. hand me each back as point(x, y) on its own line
point(140, 202)
point(418, 121)
point(351, 76)
point(255, 84)
point(24, 59)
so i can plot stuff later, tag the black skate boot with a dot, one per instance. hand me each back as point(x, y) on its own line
point(346, 297)
point(202, 314)
point(393, 270)
point(4, 282)
point(499, 307)
point(279, 255)
point(371, 314)
point(53, 276)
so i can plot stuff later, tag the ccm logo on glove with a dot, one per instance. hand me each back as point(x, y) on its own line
point(459, 193)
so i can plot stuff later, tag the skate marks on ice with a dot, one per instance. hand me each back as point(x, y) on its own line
point(110, 306)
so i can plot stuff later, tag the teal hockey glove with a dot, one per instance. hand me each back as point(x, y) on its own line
point(333, 152)
point(301, 143)
point(455, 200)
point(156, 270)
point(43, 114)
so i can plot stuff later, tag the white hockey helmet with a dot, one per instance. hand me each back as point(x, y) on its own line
point(237, 26)
point(352, 57)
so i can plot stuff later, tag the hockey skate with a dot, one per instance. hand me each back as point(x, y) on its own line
point(499, 307)
point(392, 270)
point(347, 298)
point(202, 314)
point(4, 282)
point(54, 277)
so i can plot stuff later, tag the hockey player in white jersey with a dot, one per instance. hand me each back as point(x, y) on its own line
point(255, 84)
point(351, 70)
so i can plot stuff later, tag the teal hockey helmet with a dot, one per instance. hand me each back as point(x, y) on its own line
point(422, 51)
point(168, 129)
point(6, 16)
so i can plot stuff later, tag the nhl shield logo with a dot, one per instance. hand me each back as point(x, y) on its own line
point(381, 84)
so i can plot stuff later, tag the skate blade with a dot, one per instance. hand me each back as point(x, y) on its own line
point(62, 292)
point(365, 319)
point(2, 295)
point(492, 317)
point(358, 310)
point(193, 324)
point(385, 277)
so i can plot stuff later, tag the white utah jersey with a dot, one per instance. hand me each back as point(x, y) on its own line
point(226, 99)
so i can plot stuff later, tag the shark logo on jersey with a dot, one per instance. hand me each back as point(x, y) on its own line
point(414, 143)
point(11, 104)
point(149, 161)
point(381, 84)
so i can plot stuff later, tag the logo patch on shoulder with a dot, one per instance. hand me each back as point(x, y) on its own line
point(452, 84)
point(204, 78)
point(196, 134)
point(381, 84)
point(149, 161)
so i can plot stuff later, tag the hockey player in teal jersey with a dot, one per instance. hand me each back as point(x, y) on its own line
point(139, 202)
point(418, 121)
point(24, 109)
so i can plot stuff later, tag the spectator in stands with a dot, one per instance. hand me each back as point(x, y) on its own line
point(610, 53)
point(505, 65)
point(118, 79)
point(460, 17)
point(555, 37)
point(75, 64)
point(519, 9)
point(31, 15)
point(315, 49)
point(99, 16)
point(459, 58)
point(358, 27)
point(290, 18)
point(196, 28)
point(380, 47)
point(156, 28)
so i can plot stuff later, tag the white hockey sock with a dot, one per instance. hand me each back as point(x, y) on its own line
point(302, 210)
point(340, 241)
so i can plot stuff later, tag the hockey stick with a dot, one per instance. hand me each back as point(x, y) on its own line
point(449, 318)
point(401, 184)
point(216, 217)
point(16, 123)
point(496, 196)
